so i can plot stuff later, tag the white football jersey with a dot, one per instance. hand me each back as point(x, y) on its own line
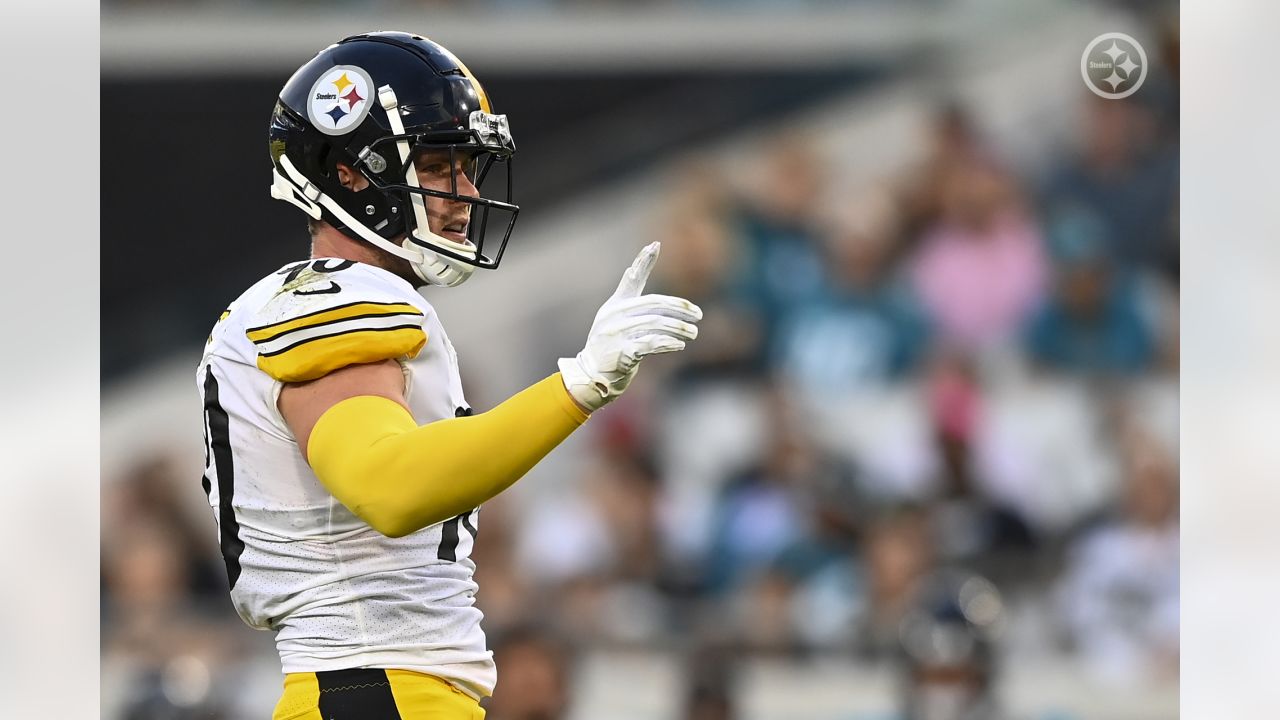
point(337, 593)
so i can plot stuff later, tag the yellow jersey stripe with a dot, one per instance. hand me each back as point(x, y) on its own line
point(317, 357)
point(322, 323)
point(350, 311)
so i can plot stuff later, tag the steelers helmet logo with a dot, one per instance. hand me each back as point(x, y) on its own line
point(340, 99)
point(1114, 65)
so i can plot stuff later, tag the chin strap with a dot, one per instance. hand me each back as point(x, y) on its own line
point(296, 189)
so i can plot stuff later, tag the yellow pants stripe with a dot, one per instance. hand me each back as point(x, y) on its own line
point(301, 698)
point(426, 697)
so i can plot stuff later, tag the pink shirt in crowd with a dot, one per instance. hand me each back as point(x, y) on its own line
point(978, 288)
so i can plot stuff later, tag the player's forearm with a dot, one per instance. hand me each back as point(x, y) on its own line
point(400, 477)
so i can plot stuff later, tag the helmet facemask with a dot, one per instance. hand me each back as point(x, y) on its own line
point(484, 148)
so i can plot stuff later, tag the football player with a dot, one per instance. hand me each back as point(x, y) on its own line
point(343, 464)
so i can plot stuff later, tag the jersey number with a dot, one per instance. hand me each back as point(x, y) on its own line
point(292, 272)
point(449, 536)
point(217, 457)
point(449, 532)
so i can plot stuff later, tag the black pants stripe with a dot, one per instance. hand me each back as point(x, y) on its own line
point(360, 694)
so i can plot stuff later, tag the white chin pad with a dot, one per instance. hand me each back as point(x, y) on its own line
point(436, 269)
point(464, 249)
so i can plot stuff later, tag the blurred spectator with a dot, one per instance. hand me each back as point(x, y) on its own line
point(899, 552)
point(161, 569)
point(627, 499)
point(157, 490)
point(857, 603)
point(596, 559)
point(1120, 592)
point(506, 596)
point(1044, 448)
point(953, 143)
point(980, 269)
point(536, 676)
point(949, 651)
point(160, 629)
point(1092, 322)
point(762, 621)
point(711, 688)
point(180, 690)
point(778, 220)
point(767, 515)
point(785, 519)
point(146, 580)
point(707, 701)
point(971, 527)
point(164, 602)
point(1129, 177)
point(862, 327)
point(703, 262)
point(760, 517)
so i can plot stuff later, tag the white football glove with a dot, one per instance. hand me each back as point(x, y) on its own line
point(628, 327)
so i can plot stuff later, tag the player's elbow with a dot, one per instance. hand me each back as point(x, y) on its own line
point(387, 519)
point(398, 517)
point(372, 491)
point(391, 506)
point(395, 529)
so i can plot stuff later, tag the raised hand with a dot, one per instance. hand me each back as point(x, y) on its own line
point(627, 328)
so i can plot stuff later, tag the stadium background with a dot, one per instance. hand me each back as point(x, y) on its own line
point(941, 284)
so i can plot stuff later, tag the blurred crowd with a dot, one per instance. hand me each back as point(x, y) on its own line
point(960, 375)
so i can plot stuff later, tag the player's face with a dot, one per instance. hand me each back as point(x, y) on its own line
point(447, 218)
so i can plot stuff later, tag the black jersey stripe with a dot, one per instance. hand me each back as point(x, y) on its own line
point(448, 548)
point(303, 316)
point(287, 348)
point(450, 535)
point(220, 447)
point(366, 316)
point(466, 523)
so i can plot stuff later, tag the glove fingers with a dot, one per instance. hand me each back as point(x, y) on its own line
point(668, 305)
point(657, 344)
point(675, 313)
point(677, 328)
point(633, 280)
point(658, 325)
point(624, 323)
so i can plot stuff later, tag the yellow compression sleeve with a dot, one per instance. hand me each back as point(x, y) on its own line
point(400, 477)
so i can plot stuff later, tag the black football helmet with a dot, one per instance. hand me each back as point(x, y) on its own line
point(374, 102)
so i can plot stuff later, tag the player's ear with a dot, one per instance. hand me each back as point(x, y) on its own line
point(350, 179)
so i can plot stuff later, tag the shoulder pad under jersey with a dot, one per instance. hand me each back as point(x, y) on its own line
point(329, 314)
